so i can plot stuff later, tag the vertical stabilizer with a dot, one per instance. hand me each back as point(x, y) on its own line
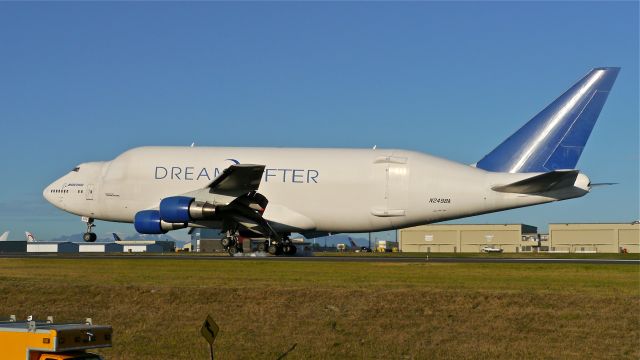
point(4, 236)
point(554, 139)
point(30, 237)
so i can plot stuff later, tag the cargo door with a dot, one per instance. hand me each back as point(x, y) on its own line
point(397, 185)
point(396, 188)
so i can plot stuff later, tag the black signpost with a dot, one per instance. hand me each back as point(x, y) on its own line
point(209, 330)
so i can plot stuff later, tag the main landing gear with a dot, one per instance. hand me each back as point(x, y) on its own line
point(233, 244)
point(283, 247)
point(89, 236)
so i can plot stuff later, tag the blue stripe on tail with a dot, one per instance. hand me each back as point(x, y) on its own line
point(555, 138)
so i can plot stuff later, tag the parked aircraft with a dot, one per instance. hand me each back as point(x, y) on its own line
point(356, 248)
point(271, 192)
point(29, 236)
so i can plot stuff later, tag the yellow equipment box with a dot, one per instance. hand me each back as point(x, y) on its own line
point(46, 340)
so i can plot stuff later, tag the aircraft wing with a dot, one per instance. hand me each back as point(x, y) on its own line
point(238, 179)
point(238, 185)
point(552, 180)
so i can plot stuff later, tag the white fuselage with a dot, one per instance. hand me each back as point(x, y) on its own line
point(324, 190)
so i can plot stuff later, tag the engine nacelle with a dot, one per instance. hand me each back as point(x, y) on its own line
point(182, 209)
point(149, 222)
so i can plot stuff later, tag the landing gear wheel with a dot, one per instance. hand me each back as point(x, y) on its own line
point(89, 237)
point(233, 250)
point(228, 242)
point(274, 250)
point(262, 247)
point(290, 250)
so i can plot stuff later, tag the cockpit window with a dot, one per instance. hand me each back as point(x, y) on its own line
point(76, 169)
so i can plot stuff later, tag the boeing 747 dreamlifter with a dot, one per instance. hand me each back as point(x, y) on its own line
point(271, 192)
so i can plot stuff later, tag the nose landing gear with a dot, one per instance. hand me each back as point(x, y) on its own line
point(89, 236)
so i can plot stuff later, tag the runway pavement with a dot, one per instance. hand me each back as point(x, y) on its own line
point(381, 259)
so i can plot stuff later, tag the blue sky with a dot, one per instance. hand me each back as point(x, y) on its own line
point(86, 81)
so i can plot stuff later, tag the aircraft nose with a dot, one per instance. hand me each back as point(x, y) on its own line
point(46, 193)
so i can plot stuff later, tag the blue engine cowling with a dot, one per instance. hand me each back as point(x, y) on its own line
point(148, 222)
point(175, 209)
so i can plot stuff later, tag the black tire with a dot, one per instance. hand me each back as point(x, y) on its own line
point(292, 249)
point(233, 250)
point(226, 242)
point(262, 247)
point(273, 250)
point(89, 237)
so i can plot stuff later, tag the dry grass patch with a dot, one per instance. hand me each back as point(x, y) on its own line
point(337, 310)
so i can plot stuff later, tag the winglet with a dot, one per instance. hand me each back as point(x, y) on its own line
point(554, 139)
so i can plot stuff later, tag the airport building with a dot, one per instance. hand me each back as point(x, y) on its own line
point(100, 247)
point(467, 238)
point(206, 240)
point(86, 247)
point(13, 247)
point(137, 246)
point(511, 238)
point(595, 238)
point(51, 247)
point(209, 245)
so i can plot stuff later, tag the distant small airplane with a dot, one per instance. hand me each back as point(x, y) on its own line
point(30, 237)
point(357, 248)
point(4, 236)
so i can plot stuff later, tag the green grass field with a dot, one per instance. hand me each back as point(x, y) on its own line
point(337, 309)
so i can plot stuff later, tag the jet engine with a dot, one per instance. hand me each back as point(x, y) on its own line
point(182, 209)
point(149, 222)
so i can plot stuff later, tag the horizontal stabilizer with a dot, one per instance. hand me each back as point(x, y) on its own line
point(553, 180)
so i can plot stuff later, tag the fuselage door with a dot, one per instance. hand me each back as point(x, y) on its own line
point(397, 185)
point(88, 191)
point(396, 191)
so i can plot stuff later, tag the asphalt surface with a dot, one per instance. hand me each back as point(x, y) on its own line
point(380, 259)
